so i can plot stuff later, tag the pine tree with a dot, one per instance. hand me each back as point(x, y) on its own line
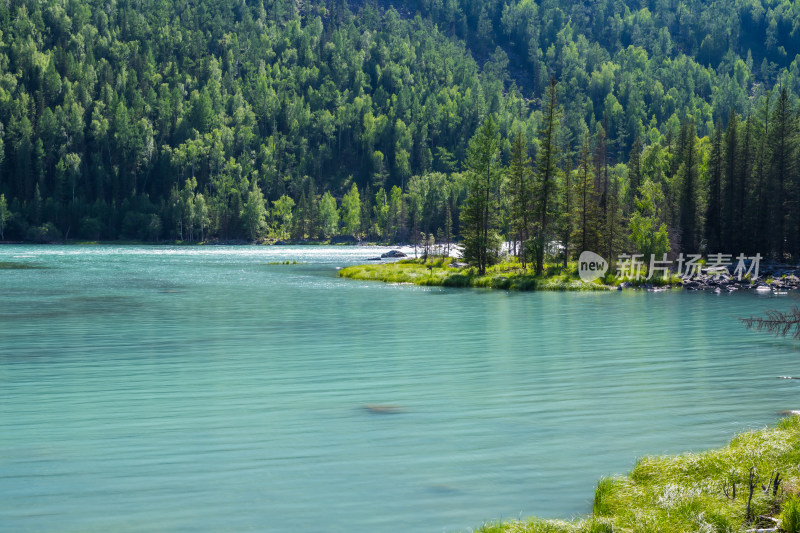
point(760, 226)
point(741, 205)
point(688, 182)
point(730, 186)
point(783, 140)
point(634, 173)
point(547, 160)
point(714, 213)
point(586, 232)
point(518, 184)
point(566, 221)
point(478, 215)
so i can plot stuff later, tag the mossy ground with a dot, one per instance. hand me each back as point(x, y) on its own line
point(695, 491)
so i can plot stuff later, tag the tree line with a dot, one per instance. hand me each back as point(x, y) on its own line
point(192, 120)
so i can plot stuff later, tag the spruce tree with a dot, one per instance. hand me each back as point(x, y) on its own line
point(783, 140)
point(519, 191)
point(478, 215)
point(730, 185)
point(714, 213)
point(547, 160)
point(688, 182)
point(586, 231)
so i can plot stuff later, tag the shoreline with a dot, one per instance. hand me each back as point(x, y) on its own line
point(752, 483)
point(443, 272)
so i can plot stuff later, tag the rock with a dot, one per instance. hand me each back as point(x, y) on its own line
point(625, 285)
point(393, 253)
point(374, 259)
point(456, 264)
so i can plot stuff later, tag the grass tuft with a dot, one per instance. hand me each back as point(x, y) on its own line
point(790, 518)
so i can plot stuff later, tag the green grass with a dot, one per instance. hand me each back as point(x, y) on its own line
point(694, 491)
point(437, 272)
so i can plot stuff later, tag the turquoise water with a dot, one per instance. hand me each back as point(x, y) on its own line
point(200, 388)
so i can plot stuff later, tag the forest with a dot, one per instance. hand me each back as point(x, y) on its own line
point(559, 126)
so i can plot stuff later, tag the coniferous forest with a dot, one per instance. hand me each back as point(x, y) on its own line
point(610, 125)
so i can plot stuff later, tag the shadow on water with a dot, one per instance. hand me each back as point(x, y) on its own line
point(16, 265)
point(73, 307)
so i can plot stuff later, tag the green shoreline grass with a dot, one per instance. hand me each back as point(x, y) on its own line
point(695, 491)
point(437, 272)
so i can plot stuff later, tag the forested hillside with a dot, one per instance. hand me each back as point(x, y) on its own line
point(235, 119)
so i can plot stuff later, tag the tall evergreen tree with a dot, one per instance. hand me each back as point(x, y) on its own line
point(634, 172)
point(715, 197)
point(732, 159)
point(586, 232)
point(689, 188)
point(783, 140)
point(519, 188)
point(478, 215)
point(547, 160)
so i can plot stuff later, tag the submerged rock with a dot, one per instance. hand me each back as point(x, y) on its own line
point(383, 409)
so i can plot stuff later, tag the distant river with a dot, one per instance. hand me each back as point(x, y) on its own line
point(204, 389)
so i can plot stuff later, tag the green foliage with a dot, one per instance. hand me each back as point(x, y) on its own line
point(436, 271)
point(106, 112)
point(790, 517)
point(479, 213)
point(282, 213)
point(5, 215)
point(351, 211)
point(254, 212)
point(602, 495)
point(648, 232)
point(328, 215)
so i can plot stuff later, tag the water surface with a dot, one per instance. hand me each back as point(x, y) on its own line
point(202, 388)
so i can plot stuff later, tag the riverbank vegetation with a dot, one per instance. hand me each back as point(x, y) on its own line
point(508, 274)
point(753, 482)
point(611, 125)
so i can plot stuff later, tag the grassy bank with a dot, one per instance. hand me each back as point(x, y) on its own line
point(437, 272)
point(703, 492)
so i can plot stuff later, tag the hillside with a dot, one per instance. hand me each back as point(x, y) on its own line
point(189, 120)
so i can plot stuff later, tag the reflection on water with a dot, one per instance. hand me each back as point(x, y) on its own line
point(199, 388)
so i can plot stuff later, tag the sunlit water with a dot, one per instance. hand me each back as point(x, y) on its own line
point(201, 388)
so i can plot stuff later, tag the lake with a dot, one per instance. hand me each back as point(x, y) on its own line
point(202, 388)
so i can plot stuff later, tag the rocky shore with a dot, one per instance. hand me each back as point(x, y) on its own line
point(772, 278)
